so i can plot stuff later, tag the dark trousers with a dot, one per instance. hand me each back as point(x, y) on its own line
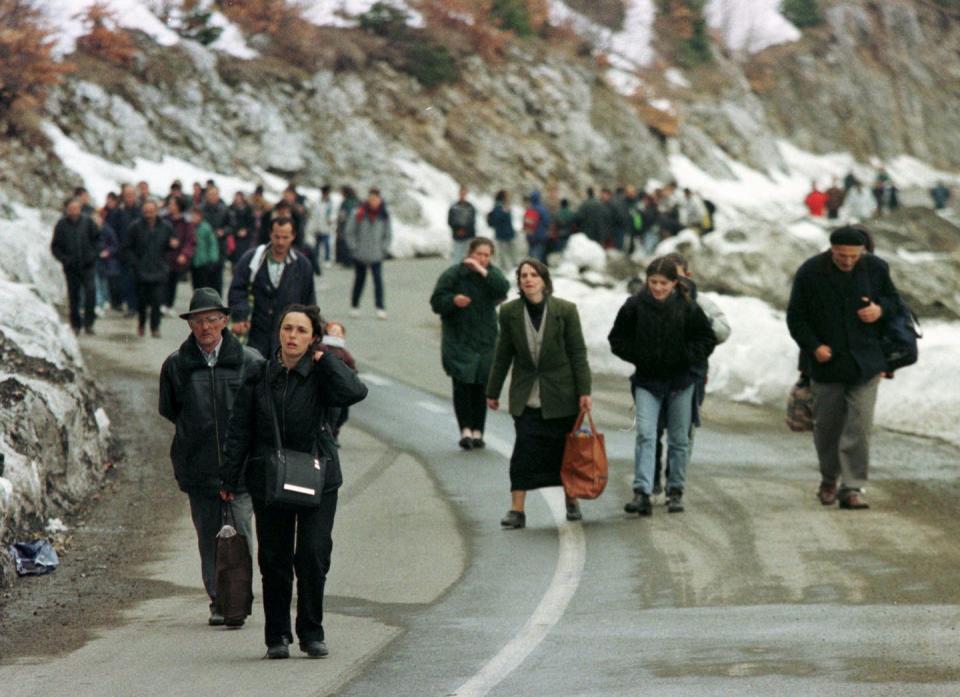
point(150, 296)
point(171, 293)
point(470, 405)
point(81, 282)
point(294, 541)
point(128, 283)
point(360, 279)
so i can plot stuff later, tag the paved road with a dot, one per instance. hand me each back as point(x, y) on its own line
point(755, 590)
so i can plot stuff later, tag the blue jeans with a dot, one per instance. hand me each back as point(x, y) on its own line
point(460, 249)
point(679, 408)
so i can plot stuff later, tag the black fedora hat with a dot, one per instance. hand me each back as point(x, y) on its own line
point(205, 300)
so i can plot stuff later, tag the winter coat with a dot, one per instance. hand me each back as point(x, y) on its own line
point(76, 243)
point(542, 231)
point(816, 202)
point(219, 217)
point(145, 251)
point(183, 231)
point(564, 222)
point(206, 251)
point(257, 301)
point(823, 310)
point(562, 370)
point(369, 234)
point(121, 219)
point(301, 398)
point(198, 400)
point(110, 265)
point(242, 218)
point(469, 333)
point(664, 340)
point(501, 221)
point(593, 220)
point(462, 219)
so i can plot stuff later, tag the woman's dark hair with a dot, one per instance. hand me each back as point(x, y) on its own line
point(667, 267)
point(678, 259)
point(868, 242)
point(313, 314)
point(500, 196)
point(542, 271)
point(481, 242)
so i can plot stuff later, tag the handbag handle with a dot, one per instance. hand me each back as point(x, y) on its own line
point(589, 414)
point(277, 440)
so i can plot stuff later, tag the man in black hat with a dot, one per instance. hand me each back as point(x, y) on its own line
point(198, 384)
point(836, 304)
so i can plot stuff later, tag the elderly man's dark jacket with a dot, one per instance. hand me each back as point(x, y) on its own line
point(823, 311)
point(198, 400)
point(302, 397)
point(76, 243)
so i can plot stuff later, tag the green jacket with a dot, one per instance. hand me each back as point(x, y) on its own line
point(469, 333)
point(208, 248)
point(563, 370)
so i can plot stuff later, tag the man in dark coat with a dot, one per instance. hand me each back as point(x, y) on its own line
point(145, 253)
point(266, 280)
point(466, 297)
point(121, 219)
point(76, 245)
point(462, 219)
point(593, 218)
point(217, 213)
point(836, 304)
point(198, 385)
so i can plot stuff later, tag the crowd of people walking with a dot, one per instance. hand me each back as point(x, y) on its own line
point(264, 374)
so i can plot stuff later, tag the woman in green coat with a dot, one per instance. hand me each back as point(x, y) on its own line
point(466, 298)
point(540, 337)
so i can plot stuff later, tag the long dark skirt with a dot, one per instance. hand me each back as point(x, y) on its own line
point(538, 450)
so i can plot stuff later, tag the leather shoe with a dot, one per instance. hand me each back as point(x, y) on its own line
point(478, 443)
point(827, 493)
point(281, 650)
point(573, 511)
point(853, 500)
point(640, 505)
point(514, 520)
point(315, 649)
point(216, 619)
point(466, 442)
point(675, 502)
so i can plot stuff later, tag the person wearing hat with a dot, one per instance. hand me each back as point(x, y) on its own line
point(198, 384)
point(836, 304)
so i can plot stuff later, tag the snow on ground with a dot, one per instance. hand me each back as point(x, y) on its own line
point(758, 363)
point(139, 15)
point(335, 13)
point(750, 25)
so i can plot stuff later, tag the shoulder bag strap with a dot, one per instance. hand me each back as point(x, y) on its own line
point(277, 440)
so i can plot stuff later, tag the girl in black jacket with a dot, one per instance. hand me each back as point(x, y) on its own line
point(303, 383)
point(664, 334)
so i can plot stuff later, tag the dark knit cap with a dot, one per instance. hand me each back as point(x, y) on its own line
point(847, 236)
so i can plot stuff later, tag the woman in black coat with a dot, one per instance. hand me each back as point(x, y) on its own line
point(665, 335)
point(303, 383)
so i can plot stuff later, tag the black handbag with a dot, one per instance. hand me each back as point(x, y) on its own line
point(294, 478)
point(898, 339)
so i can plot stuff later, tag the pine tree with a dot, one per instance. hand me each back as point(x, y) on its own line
point(803, 13)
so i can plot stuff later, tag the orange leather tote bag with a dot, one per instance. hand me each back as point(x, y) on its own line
point(584, 471)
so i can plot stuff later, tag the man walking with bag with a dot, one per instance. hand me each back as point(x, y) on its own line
point(836, 305)
point(198, 384)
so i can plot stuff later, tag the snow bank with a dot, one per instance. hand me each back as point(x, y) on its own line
point(750, 25)
point(337, 13)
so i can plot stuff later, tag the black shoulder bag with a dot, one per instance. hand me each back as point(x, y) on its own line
point(294, 479)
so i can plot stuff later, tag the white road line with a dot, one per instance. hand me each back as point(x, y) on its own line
point(375, 379)
point(433, 407)
point(566, 579)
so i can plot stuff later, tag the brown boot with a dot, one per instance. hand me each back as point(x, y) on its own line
point(827, 493)
point(853, 500)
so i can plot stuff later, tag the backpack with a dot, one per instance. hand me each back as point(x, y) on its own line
point(460, 216)
point(531, 221)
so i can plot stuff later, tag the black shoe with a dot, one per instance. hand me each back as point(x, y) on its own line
point(234, 624)
point(514, 520)
point(466, 443)
point(640, 500)
point(89, 331)
point(657, 489)
point(281, 650)
point(573, 511)
point(216, 619)
point(675, 502)
point(315, 649)
point(477, 443)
